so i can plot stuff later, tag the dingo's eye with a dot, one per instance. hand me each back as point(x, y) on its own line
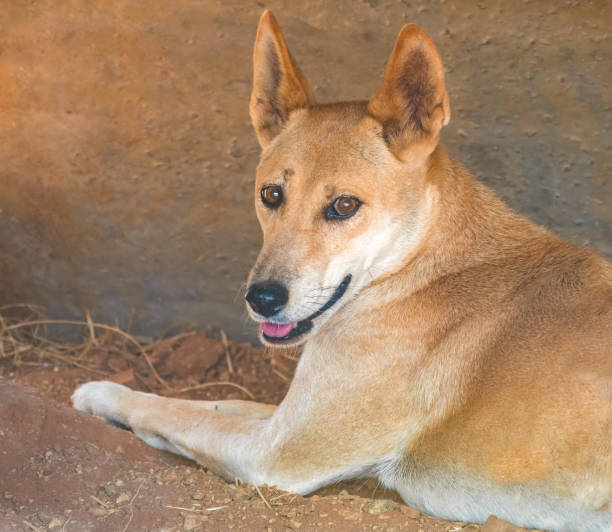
point(342, 207)
point(272, 196)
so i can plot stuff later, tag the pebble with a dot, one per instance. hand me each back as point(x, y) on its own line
point(43, 517)
point(495, 524)
point(124, 497)
point(110, 490)
point(381, 505)
point(56, 522)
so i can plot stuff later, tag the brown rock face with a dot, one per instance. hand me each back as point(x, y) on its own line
point(495, 524)
point(127, 156)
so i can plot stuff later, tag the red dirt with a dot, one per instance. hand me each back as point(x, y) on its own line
point(63, 470)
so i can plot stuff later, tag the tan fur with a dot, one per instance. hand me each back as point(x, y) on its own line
point(469, 363)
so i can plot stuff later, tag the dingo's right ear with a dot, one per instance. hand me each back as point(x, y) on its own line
point(279, 86)
point(412, 104)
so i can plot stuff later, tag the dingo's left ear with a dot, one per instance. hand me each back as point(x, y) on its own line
point(412, 104)
point(279, 86)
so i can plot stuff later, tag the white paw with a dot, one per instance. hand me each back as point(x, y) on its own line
point(101, 399)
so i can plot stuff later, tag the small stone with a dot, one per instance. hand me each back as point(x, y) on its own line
point(56, 522)
point(382, 505)
point(43, 517)
point(124, 497)
point(197, 496)
point(288, 513)
point(495, 524)
point(295, 524)
point(110, 490)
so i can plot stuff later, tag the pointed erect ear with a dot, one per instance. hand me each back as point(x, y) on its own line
point(412, 104)
point(279, 86)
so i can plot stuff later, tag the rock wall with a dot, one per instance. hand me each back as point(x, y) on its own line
point(127, 157)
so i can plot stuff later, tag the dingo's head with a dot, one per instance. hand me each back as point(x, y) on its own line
point(340, 191)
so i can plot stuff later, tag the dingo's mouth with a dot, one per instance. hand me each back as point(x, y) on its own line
point(276, 333)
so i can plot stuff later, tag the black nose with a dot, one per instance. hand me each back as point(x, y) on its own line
point(267, 298)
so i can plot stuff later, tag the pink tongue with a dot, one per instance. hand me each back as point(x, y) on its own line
point(276, 330)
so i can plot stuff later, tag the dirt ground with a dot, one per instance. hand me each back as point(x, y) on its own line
point(62, 470)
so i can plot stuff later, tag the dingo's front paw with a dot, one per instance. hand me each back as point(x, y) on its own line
point(102, 399)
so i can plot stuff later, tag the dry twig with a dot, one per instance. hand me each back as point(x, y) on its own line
point(210, 384)
point(24, 337)
point(262, 497)
point(230, 368)
point(131, 506)
point(31, 526)
point(112, 328)
point(280, 375)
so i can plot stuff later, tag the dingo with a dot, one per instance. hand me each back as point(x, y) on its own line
point(452, 348)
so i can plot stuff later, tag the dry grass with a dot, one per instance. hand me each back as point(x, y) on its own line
point(25, 339)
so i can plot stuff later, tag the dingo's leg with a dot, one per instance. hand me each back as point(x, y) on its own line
point(238, 408)
point(236, 439)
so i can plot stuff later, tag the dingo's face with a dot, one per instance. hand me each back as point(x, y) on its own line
point(340, 192)
point(334, 215)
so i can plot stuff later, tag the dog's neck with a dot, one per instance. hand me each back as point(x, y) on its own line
point(467, 225)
